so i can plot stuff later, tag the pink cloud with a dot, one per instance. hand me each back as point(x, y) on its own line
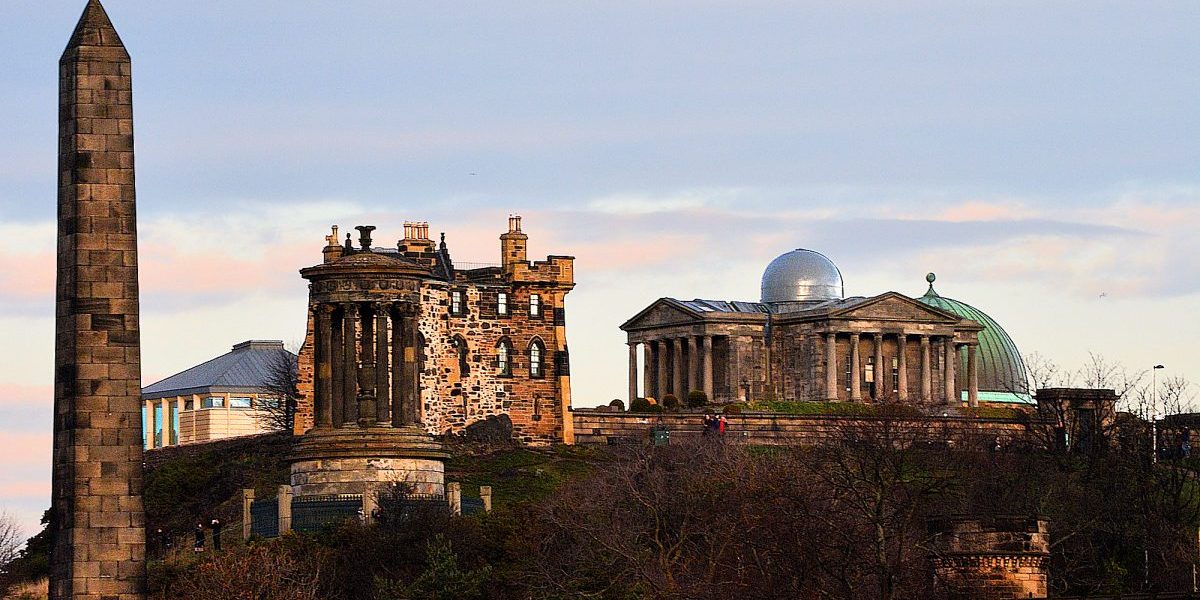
point(27, 276)
point(18, 393)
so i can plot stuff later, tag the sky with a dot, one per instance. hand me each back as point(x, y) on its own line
point(1040, 157)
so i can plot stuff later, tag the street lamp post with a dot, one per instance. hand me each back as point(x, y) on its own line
point(1154, 411)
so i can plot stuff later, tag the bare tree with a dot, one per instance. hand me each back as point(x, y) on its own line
point(10, 542)
point(1044, 373)
point(278, 394)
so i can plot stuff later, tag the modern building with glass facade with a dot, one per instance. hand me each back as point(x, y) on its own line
point(221, 398)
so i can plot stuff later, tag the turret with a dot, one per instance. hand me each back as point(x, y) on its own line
point(512, 244)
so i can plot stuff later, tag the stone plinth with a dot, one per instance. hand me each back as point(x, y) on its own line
point(360, 460)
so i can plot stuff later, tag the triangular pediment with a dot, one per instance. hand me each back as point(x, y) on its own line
point(893, 306)
point(664, 311)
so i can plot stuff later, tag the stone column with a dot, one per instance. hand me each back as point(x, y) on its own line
point(706, 343)
point(323, 381)
point(284, 500)
point(350, 364)
point(953, 397)
point(648, 369)
point(831, 367)
point(454, 497)
point(693, 368)
point(902, 366)
point(881, 384)
point(855, 369)
point(660, 362)
point(366, 371)
point(633, 372)
point(383, 395)
point(247, 518)
point(972, 377)
point(926, 371)
point(337, 362)
point(399, 366)
point(412, 373)
point(677, 367)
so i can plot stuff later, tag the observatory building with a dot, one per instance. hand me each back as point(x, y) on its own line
point(805, 340)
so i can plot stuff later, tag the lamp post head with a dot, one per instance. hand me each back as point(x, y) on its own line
point(1159, 367)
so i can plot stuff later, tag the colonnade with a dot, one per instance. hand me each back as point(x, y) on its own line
point(668, 371)
point(366, 357)
point(949, 376)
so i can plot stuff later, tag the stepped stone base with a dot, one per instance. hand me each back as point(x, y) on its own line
point(355, 460)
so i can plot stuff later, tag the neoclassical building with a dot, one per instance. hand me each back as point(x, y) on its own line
point(804, 340)
point(402, 337)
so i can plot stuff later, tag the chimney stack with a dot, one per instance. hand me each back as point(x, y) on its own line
point(512, 244)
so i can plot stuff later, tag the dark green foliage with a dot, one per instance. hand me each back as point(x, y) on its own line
point(442, 579)
point(640, 405)
point(670, 403)
point(617, 405)
point(697, 399)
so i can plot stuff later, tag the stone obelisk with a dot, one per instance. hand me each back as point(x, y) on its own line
point(99, 547)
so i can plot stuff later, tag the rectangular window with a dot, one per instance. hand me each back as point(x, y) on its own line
point(535, 305)
point(895, 374)
point(849, 373)
point(502, 303)
point(240, 403)
point(456, 302)
point(213, 402)
point(189, 405)
point(870, 378)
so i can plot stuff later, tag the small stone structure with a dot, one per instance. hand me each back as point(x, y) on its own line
point(992, 558)
point(98, 519)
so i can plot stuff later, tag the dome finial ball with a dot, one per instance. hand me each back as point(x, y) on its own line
point(931, 278)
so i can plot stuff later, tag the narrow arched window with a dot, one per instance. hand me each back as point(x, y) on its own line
point(537, 353)
point(504, 357)
point(463, 352)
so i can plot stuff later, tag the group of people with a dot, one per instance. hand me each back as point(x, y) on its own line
point(714, 425)
point(215, 525)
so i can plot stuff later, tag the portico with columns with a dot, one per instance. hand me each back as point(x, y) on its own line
point(886, 348)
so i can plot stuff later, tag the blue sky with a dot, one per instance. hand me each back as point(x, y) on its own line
point(1041, 157)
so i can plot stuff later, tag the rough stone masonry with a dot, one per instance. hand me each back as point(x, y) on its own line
point(98, 519)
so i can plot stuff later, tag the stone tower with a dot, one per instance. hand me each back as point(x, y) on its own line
point(99, 546)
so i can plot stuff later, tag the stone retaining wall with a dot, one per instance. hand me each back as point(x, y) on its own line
point(602, 428)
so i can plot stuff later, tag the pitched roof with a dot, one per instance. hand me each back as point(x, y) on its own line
point(248, 368)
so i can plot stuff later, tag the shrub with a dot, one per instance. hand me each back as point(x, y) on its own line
point(697, 399)
point(732, 409)
point(617, 405)
point(655, 408)
point(670, 403)
point(640, 405)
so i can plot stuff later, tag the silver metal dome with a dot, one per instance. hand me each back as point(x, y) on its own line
point(801, 276)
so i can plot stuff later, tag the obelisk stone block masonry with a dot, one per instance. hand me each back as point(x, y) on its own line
point(99, 546)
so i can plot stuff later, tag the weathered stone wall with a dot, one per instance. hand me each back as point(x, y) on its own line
point(601, 428)
point(452, 399)
point(99, 541)
point(999, 558)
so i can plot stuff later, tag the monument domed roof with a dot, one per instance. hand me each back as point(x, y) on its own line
point(801, 276)
point(1002, 376)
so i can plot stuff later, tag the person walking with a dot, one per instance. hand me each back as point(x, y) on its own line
point(216, 534)
point(199, 546)
point(721, 422)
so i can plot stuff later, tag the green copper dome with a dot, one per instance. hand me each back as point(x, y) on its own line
point(1001, 370)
